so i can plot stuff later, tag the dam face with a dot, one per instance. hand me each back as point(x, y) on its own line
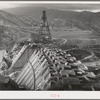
point(44, 68)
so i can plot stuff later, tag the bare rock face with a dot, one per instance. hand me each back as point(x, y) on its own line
point(6, 83)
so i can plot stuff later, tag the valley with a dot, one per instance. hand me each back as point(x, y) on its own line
point(74, 30)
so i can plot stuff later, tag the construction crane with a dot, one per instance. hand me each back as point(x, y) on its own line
point(44, 31)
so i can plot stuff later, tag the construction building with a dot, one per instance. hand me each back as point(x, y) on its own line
point(39, 67)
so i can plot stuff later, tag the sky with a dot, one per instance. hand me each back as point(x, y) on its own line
point(61, 6)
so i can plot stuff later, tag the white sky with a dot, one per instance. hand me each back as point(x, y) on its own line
point(94, 7)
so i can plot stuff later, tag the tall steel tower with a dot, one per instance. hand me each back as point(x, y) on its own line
point(44, 32)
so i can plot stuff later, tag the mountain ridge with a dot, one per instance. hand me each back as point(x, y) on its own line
point(30, 19)
point(81, 20)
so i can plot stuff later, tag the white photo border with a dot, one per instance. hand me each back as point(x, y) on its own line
point(51, 94)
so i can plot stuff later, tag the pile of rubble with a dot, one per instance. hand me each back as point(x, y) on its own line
point(68, 73)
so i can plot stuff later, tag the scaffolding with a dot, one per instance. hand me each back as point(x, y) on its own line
point(44, 32)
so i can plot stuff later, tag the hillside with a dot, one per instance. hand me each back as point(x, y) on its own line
point(11, 20)
point(13, 29)
point(10, 35)
point(79, 28)
point(82, 20)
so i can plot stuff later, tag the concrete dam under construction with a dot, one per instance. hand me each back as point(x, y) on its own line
point(39, 64)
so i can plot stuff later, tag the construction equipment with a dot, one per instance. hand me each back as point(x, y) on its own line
point(44, 31)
